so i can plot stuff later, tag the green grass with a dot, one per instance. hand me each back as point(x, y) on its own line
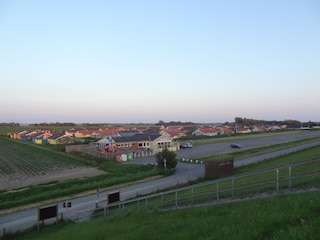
point(122, 174)
point(201, 140)
point(238, 187)
point(254, 151)
point(263, 182)
point(295, 216)
point(31, 159)
point(294, 157)
point(57, 189)
point(22, 157)
point(117, 173)
point(245, 153)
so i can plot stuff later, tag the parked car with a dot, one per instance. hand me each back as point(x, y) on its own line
point(235, 145)
point(186, 145)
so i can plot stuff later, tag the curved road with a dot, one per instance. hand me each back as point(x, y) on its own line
point(210, 149)
point(184, 173)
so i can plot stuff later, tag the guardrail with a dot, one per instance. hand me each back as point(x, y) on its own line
point(263, 183)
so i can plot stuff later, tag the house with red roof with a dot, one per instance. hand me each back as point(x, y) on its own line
point(19, 134)
point(60, 138)
point(108, 132)
point(139, 142)
point(210, 132)
point(259, 128)
point(175, 132)
point(225, 130)
point(41, 137)
point(244, 130)
point(85, 133)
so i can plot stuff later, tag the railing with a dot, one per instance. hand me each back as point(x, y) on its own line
point(263, 183)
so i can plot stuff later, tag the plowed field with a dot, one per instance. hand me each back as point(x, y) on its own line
point(23, 165)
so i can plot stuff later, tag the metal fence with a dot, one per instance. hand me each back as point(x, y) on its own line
point(264, 183)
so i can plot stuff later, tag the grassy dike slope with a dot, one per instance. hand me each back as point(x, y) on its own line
point(293, 216)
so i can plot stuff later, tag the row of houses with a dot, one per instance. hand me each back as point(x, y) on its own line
point(110, 139)
point(138, 141)
point(144, 138)
point(40, 136)
point(230, 130)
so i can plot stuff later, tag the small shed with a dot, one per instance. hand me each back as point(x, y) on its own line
point(219, 167)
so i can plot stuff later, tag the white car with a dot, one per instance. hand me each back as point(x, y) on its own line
point(186, 145)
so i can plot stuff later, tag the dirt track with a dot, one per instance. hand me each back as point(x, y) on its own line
point(16, 180)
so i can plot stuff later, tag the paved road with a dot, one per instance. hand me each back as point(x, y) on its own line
point(184, 173)
point(210, 149)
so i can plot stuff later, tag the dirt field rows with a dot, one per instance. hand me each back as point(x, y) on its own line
point(22, 165)
point(18, 180)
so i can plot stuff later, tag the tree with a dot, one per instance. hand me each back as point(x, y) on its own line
point(160, 123)
point(166, 159)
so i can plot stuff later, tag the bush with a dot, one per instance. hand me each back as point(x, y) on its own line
point(166, 160)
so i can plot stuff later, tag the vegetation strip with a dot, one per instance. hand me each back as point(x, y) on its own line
point(117, 174)
point(29, 160)
point(255, 151)
point(294, 216)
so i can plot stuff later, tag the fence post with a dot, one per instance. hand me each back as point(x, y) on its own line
point(290, 177)
point(232, 186)
point(192, 196)
point(161, 200)
point(277, 180)
point(217, 191)
point(176, 199)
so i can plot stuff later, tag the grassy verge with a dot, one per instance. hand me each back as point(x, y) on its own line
point(254, 151)
point(294, 157)
point(300, 177)
point(295, 216)
point(245, 153)
point(30, 159)
point(122, 174)
point(117, 174)
point(201, 140)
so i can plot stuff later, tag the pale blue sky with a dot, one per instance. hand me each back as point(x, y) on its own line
point(145, 61)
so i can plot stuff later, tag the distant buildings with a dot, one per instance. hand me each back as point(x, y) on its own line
point(141, 141)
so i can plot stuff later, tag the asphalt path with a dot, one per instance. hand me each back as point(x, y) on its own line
point(185, 172)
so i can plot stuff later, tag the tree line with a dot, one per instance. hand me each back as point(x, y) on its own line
point(250, 121)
